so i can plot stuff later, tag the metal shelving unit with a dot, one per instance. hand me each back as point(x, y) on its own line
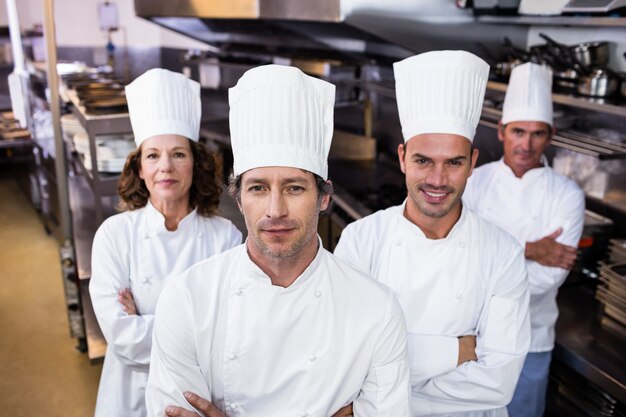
point(591, 21)
point(101, 184)
point(586, 103)
point(17, 144)
point(573, 141)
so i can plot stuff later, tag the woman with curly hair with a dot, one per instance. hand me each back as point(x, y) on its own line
point(170, 195)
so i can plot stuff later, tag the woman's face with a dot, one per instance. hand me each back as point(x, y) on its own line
point(166, 167)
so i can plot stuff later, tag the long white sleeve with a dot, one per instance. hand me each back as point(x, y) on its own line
point(386, 389)
point(568, 214)
point(174, 368)
point(128, 336)
point(503, 338)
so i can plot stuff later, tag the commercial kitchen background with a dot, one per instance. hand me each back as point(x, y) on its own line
point(50, 346)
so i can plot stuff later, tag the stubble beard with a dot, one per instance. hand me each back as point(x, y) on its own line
point(292, 250)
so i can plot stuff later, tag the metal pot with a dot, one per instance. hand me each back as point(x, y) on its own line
point(600, 83)
point(591, 54)
point(503, 69)
point(567, 79)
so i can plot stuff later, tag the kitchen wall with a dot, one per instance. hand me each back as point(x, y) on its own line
point(138, 42)
point(77, 24)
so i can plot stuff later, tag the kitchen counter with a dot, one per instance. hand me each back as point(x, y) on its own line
point(593, 350)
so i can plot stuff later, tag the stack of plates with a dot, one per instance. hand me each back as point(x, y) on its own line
point(612, 291)
point(112, 151)
point(617, 250)
point(71, 126)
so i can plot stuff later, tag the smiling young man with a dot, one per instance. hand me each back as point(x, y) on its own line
point(460, 280)
point(279, 326)
point(543, 210)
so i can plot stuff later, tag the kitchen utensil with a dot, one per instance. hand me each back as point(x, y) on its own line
point(513, 52)
point(503, 69)
point(600, 83)
point(106, 105)
point(565, 55)
point(567, 79)
point(591, 54)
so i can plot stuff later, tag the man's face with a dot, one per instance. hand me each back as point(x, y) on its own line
point(281, 208)
point(524, 143)
point(436, 166)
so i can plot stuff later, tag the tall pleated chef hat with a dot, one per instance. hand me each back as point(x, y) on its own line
point(164, 102)
point(280, 116)
point(529, 95)
point(440, 92)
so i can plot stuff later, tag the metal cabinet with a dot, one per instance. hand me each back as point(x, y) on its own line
point(102, 185)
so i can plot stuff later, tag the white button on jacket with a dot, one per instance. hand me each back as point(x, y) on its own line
point(295, 351)
point(449, 290)
point(134, 250)
point(530, 208)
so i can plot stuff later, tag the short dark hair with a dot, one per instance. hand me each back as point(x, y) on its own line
point(204, 193)
point(324, 188)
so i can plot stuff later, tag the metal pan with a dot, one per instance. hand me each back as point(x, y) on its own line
point(600, 83)
point(105, 106)
point(591, 54)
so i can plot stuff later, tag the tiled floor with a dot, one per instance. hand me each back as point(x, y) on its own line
point(41, 372)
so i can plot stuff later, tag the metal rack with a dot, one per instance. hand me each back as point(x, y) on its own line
point(573, 141)
point(590, 21)
point(101, 184)
point(16, 144)
point(585, 103)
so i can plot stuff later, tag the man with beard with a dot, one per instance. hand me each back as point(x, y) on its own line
point(543, 210)
point(278, 326)
point(461, 281)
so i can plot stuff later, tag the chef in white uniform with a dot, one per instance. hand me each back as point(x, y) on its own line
point(543, 210)
point(279, 326)
point(461, 281)
point(171, 194)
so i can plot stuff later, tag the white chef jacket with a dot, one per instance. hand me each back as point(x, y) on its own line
point(134, 250)
point(530, 208)
point(333, 337)
point(473, 282)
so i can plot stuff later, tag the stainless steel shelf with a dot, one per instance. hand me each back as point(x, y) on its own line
point(595, 104)
point(384, 88)
point(101, 184)
point(587, 346)
point(16, 143)
point(555, 20)
point(573, 141)
point(96, 344)
point(107, 183)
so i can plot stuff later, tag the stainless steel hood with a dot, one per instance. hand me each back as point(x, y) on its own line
point(293, 28)
point(322, 10)
point(356, 31)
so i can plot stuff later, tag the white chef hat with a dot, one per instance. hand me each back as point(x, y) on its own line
point(440, 92)
point(164, 102)
point(529, 95)
point(280, 116)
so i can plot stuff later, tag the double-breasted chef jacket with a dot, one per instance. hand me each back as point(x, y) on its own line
point(472, 282)
point(134, 250)
point(530, 208)
point(333, 337)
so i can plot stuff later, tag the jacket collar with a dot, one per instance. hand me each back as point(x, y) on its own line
point(528, 177)
point(155, 221)
point(256, 274)
point(411, 228)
